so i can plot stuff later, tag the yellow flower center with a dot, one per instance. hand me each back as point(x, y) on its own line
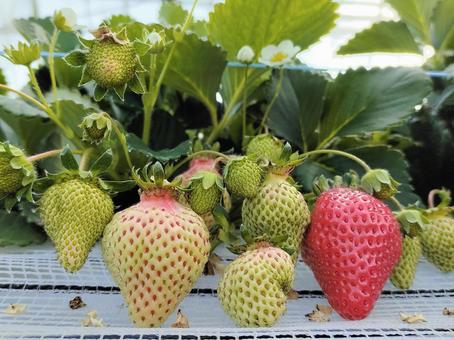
point(279, 56)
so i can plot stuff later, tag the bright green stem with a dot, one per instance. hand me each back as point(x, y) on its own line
point(397, 203)
point(122, 138)
point(228, 113)
point(42, 106)
point(85, 160)
point(195, 154)
point(35, 85)
point(245, 101)
point(51, 63)
point(330, 152)
point(47, 154)
point(148, 111)
point(277, 90)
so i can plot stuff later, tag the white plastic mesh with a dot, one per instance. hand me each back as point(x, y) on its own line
point(33, 277)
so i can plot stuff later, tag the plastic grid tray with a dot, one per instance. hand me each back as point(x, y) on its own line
point(33, 277)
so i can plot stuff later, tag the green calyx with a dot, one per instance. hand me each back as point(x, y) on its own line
point(23, 54)
point(379, 183)
point(96, 127)
point(152, 176)
point(243, 177)
point(205, 191)
point(412, 221)
point(17, 174)
point(111, 61)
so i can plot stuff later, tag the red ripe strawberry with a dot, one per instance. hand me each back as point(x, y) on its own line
point(352, 246)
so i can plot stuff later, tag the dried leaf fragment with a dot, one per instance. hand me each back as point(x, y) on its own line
point(293, 295)
point(15, 309)
point(76, 303)
point(412, 318)
point(321, 313)
point(181, 321)
point(448, 312)
point(92, 320)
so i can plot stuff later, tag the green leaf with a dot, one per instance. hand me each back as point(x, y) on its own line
point(41, 29)
point(196, 69)
point(299, 107)
point(72, 114)
point(135, 144)
point(386, 36)
point(308, 171)
point(258, 23)
point(16, 231)
point(416, 14)
point(172, 13)
point(102, 163)
point(443, 23)
point(68, 160)
point(23, 125)
point(363, 101)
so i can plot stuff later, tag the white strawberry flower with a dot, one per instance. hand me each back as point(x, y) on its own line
point(65, 19)
point(281, 54)
point(245, 54)
point(154, 38)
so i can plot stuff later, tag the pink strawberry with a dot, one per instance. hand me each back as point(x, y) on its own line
point(155, 250)
point(352, 245)
point(197, 165)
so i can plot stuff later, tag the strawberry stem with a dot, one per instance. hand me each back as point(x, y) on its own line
point(48, 154)
point(122, 138)
point(273, 100)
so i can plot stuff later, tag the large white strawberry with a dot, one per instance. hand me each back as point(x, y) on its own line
point(155, 250)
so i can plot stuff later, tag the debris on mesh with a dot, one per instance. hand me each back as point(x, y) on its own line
point(181, 321)
point(92, 320)
point(321, 313)
point(76, 303)
point(293, 295)
point(448, 312)
point(412, 318)
point(15, 309)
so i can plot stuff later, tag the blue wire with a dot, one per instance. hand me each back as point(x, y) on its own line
point(235, 64)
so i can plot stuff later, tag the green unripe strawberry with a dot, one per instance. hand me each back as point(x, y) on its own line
point(438, 242)
point(277, 212)
point(110, 63)
point(242, 177)
point(74, 214)
point(16, 170)
point(265, 146)
point(206, 192)
point(253, 290)
point(404, 272)
point(96, 127)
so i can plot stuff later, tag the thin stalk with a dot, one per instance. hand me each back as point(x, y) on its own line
point(24, 96)
point(331, 152)
point(225, 120)
point(85, 160)
point(35, 85)
point(195, 154)
point(245, 101)
point(122, 138)
point(43, 155)
point(148, 112)
point(396, 202)
point(51, 63)
point(273, 100)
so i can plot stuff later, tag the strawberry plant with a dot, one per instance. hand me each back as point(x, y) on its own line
point(224, 141)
